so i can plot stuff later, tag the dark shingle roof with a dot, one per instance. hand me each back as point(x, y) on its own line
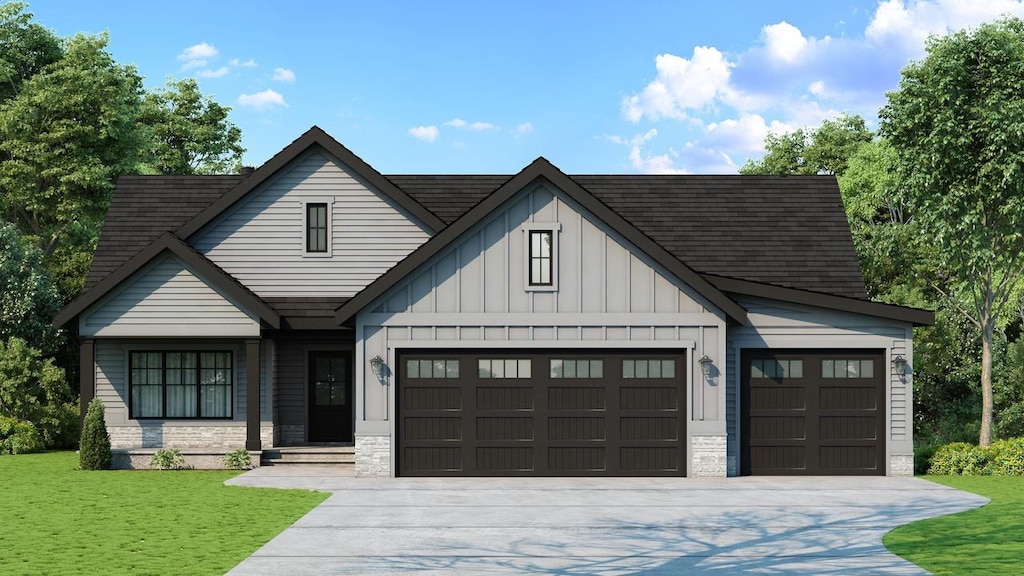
point(143, 208)
point(781, 230)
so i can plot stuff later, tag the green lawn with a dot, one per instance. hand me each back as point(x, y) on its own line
point(55, 519)
point(987, 540)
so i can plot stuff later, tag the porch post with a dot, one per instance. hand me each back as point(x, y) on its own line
point(86, 373)
point(252, 395)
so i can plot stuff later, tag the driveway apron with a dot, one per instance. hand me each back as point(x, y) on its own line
point(612, 526)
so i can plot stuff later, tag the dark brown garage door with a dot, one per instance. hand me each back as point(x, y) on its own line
point(813, 412)
point(556, 413)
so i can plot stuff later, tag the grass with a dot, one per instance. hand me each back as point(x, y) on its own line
point(55, 519)
point(987, 540)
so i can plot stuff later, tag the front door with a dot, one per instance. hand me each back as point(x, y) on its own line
point(330, 397)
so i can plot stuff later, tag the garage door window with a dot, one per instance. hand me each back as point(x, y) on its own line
point(504, 368)
point(648, 368)
point(772, 368)
point(848, 368)
point(571, 368)
point(432, 369)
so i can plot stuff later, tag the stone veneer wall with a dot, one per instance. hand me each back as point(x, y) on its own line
point(168, 435)
point(901, 465)
point(709, 456)
point(373, 456)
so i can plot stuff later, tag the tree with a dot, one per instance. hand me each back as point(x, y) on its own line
point(28, 300)
point(955, 125)
point(94, 452)
point(25, 48)
point(189, 133)
point(33, 390)
point(64, 139)
point(824, 150)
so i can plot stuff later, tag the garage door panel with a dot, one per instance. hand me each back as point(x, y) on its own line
point(778, 459)
point(772, 396)
point(848, 428)
point(568, 413)
point(849, 397)
point(778, 427)
point(848, 458)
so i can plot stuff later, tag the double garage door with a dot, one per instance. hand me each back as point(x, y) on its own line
point(813, 412)
point(551, 413)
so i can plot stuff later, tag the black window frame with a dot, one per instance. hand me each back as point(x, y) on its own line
point(549, 260)
point(317, 233)
point(198, 383)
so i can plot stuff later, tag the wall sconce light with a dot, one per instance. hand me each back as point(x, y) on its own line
point(377, 365)
point(900, 364)
point(705, 365)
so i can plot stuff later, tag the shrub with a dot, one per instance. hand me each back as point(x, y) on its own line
point(34, 390)
point(168, 459)
point(923, 458)
point(94, 451)
point(238, 459)
point(1006, 458)
point(958, 458)
point(19, 437)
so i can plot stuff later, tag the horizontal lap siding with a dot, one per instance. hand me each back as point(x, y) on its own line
point(260, 242)
point(166, 299)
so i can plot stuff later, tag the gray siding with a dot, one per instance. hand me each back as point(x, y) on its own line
point(780, 325)
point(261, 241)
point(166, 299)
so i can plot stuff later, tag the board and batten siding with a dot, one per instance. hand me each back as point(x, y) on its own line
point(473, 295)
point(165, 298)
point(111, 365)
point(261, 240)
point(783, 325)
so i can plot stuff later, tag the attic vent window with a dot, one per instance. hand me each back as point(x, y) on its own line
point(541, 257)
point(316, 228)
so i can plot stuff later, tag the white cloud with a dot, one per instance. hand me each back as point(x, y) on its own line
point(196, 56)
point(425, 133)
point(250, 63)
point(744, 134)
point(817, 88)
point(475, 126)
point(284, 75)
point(264, 100)
point(523, 129)
point(481, 126)
point(784, 42)
point(456, 122)
point(223, 70)
point(908, 23)
point(681, 85)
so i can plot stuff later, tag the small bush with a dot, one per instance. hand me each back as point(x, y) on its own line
point(923, 458)
point(1006, 458)
point(958, 459)
point(19, 437)
point(94, 450)
point(238, 459)
point(168, 459)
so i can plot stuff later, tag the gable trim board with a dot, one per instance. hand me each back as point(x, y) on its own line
point(192, 259)
point(625, 291)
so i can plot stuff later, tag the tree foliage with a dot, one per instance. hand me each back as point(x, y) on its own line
point(189, 133)
point(94, 452)
point(25, 48)
point(28, 300)
point(824, 150)
point(33, 390)
point(954, 124)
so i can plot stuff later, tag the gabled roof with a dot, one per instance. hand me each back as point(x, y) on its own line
point(313, 138)
point(168, 242)
point(540, 169)
point(787, 231)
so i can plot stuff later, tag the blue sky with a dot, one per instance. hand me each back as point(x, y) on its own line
point(486, 87)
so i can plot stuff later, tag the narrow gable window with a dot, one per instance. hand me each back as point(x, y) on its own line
point(540, 256)
point(541, 269)
point(316, 228)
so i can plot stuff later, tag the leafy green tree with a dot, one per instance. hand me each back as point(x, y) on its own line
point(954, 124)
point(824, 150)
point(32, 389)
point(25, 48)
point(63, 141)
point(189, 133)
point(28, 300)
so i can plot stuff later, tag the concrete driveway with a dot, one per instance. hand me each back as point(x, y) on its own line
point(818, 525)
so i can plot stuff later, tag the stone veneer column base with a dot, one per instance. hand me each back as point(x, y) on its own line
point(710, 459)
point(373, 456)
point(901, 465)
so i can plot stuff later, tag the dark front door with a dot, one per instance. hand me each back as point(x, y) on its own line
point(330, 397)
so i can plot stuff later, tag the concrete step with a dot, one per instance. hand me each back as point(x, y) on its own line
point(344, 455)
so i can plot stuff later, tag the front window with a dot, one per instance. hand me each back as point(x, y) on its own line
point(180, 384)
point(541, 260)
point(316, 228)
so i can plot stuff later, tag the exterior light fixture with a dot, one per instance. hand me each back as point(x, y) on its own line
point(705, 365)
point(900, 364)
point(377, 365)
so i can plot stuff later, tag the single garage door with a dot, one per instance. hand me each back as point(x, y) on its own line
point(551, 413)
point(813, 412)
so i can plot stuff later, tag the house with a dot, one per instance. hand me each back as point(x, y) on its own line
point(533, 324)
